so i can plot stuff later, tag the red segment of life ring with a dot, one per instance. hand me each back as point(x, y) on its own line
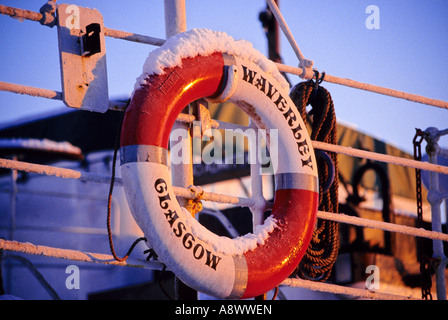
point(225, 268)
point(154, 107)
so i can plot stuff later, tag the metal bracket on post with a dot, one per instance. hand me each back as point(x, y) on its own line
point(91, 40)
point(82, 54)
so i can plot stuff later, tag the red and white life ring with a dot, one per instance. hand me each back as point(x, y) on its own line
point(190, 66)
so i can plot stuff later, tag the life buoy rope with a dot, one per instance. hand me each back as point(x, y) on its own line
point(198, 64)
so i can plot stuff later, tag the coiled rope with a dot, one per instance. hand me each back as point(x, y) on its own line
point(323, 250)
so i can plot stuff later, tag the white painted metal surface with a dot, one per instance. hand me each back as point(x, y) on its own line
point(181, 174)
point(84, 78)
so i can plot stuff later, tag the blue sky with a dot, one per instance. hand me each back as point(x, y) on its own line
point(408, 53)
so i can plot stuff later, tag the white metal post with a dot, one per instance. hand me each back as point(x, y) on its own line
point(256, 181)
point(181, 174)
point(435, 199)
point(14, 192)
point(175, 17)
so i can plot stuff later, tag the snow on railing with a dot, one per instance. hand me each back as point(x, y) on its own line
point(220, 198)
point(215, 197)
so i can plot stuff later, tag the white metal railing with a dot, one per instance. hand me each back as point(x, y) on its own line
point(219, 198)
point(174, 7)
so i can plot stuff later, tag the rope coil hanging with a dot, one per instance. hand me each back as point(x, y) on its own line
point(323, 249)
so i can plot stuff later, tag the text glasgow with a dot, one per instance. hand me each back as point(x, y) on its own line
point(189, 242)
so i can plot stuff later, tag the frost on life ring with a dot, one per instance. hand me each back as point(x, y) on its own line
point(190, 66)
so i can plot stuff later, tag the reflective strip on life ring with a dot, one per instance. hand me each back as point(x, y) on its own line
point(194, 254)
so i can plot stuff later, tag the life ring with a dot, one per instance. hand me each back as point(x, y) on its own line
point(203, 63)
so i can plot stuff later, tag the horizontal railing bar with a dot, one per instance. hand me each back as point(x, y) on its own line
point(93, 177)
point(214, 197)
point(343, 290)
point(340, 149)
point(423, 165)
point(220, 198)
point(75, 255)
point(385, 226)
point(53, 171)
point(20, 13)
point(49, 94)
point(369, 87)
point(30, 91)
point(118, 34)
point(134, 37)
point(100, 258)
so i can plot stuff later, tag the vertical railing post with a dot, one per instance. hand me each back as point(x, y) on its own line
point(175, 22)
point(256, 178)
point(435, 200)
point(256, 181)
point(175, 17)
point(182, 173)
point(14, 192)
